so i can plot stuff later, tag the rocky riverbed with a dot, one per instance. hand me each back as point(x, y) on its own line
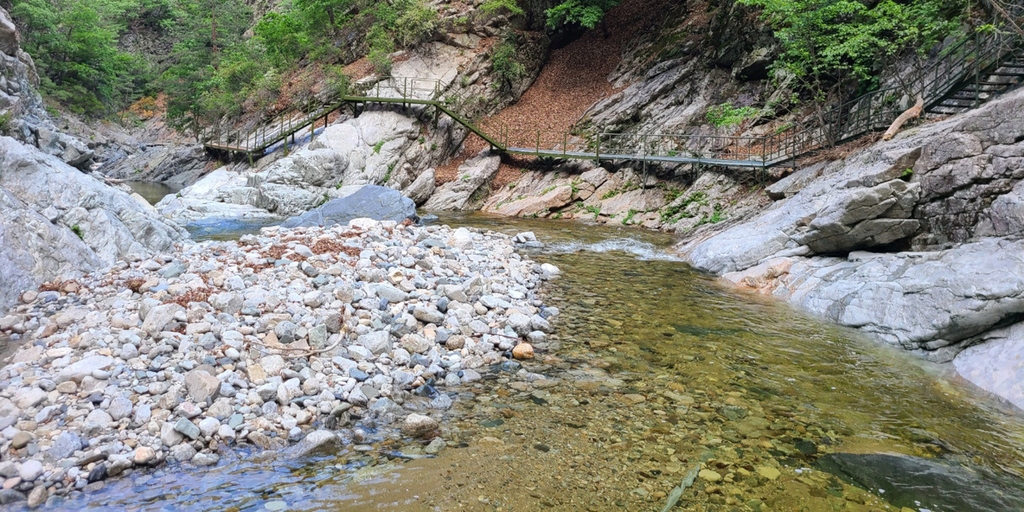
point(289, 336)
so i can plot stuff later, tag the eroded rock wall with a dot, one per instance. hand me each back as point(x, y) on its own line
point(917, 241)
point(57, 222)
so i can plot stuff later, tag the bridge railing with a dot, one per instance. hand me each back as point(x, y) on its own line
point(871, 112)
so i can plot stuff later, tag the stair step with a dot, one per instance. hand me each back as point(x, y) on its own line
point(970, 89)
point(956, 102)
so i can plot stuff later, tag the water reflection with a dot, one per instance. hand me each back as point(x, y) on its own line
point(153, 191)
point(659, 368)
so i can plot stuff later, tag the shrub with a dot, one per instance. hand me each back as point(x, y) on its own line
point(505, 63)
point(5, 123)
point(491, 7)
point(417, 24)
point(848, 38)
point(381, 48)
point(727, 115)
point(586, 13)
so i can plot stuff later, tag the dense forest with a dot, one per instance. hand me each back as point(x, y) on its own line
point(212, 59)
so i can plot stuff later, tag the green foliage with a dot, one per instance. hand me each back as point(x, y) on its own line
point(283, 37)
point(77, 230)
point(717, 214)
point(727, 115)
point(505, 63)
point(336, 82)
point(672, 213)
point(836, 39)
point(322, 17)
point(377, 147)
point(381, 47)
point(493, 6)
point(212, 64)
point(416, 24)
point(74, 43)
point(629, 217)
point(585, 13)
point(5, 123)
point(596, 210)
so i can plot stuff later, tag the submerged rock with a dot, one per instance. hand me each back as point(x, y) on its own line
point(917, 483)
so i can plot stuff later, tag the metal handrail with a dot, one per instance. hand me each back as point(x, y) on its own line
point(868, 113)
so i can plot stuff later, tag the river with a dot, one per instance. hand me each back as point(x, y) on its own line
point(659, 368)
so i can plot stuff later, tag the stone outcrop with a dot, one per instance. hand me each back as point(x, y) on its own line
point(58, 222)
point(169, 164)
point(940, 207)
point(28, 120)
point(468, 190)
point(375, 148)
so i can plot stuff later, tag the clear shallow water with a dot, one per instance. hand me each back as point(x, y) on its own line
point(153, 191)
point(659, 368)
point(210, 229)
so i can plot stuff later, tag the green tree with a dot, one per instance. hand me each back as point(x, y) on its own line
point(74, 43)
point(324, 16)
point(207, 32)
point(833, 40)
point(283, 37)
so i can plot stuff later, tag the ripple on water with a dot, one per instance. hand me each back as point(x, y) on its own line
point(660, 369)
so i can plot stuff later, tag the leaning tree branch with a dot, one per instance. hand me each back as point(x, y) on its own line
point(911, 113)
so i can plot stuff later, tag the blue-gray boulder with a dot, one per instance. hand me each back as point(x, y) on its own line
point(369, 201)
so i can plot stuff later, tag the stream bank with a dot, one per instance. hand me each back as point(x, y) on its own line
point(279, 338)
point(653, 369)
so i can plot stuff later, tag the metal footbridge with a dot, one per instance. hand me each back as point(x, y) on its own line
point(965, 75)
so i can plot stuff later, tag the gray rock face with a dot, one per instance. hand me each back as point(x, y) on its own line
point(953, 189)
point(47, 204)
point(370, 201)
point(931, 302)
point(421, 188)
point(171, 164)
point(461, 194)
point(9, 37)
point(996, 363)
